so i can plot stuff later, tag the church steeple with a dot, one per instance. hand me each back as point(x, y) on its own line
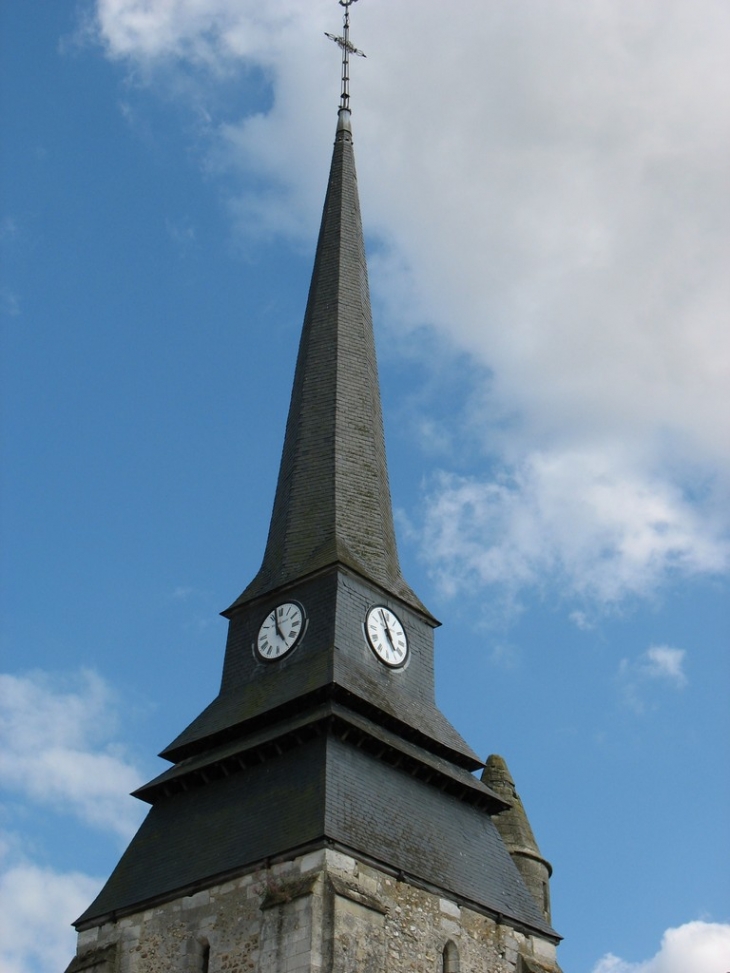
point(332, 503)
point(322, 804)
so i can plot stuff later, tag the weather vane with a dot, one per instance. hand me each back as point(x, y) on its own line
point(347, 49)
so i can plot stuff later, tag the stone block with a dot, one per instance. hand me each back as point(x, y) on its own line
point(197, 900)
point(449, 908)
point(314, 860)
point(339, 862)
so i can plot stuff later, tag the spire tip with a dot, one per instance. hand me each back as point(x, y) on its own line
point(347, 49)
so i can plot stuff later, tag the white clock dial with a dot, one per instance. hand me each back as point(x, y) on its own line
point(386, 636)
point(280, 631)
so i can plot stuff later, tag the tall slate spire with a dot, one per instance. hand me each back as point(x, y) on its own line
point(332, 503)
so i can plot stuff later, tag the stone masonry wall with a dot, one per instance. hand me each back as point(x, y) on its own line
point(324, 912)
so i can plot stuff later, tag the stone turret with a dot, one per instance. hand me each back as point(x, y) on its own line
point(517, 835)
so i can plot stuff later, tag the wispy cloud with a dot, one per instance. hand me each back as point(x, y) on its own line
point(581, 620)
point(184, 593)
point(665, 663)
point(583, 522)
point(696, 947)
point(504, 655)
point(659, 664)
point(55, 749)
point(39, 906)
point(8, 229)
point(181, 233)
point(204, 32)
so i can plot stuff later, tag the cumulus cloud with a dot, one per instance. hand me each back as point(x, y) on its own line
point(597, 528)
point(203, 31)
point(39, 906)
point(549, 191)
point(696, 947)
point(55, 749)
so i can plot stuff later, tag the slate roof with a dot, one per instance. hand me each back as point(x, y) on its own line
point(235, 754)
point(344, 795)
point(332, 501)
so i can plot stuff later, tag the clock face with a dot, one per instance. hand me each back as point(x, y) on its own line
point(280, 631)
point(386, 636)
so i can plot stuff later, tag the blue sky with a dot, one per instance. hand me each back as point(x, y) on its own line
point(545, 197)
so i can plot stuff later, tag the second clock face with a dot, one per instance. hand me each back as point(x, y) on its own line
point(386, 636)
point(280, 631)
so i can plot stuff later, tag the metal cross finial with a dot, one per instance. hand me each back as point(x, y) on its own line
point(347, 49)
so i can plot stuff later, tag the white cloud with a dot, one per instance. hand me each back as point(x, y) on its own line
point(202, 31)
point(550, 192)
point(664, 662)
point(696, 947)
point(54, 749)
point(584, 520)
point(581, 620)
point(660, 663)
point(39, 906)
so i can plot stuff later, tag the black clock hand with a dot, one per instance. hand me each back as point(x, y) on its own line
point(276, 623)
point(387, 629)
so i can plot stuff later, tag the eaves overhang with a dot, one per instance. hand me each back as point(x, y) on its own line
point(235, 756)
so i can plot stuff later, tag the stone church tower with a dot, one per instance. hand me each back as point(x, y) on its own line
point(322, 815)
